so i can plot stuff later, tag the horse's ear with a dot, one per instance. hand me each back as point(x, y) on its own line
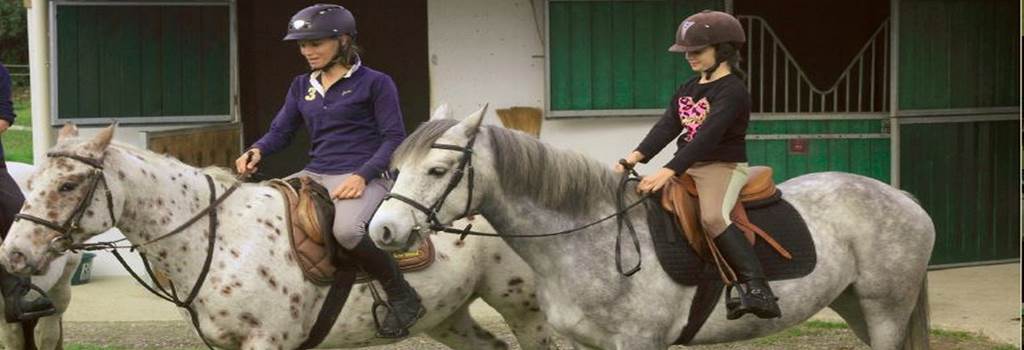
point(472, 123)
point(442, 112)
point(68, 131)
point(102, 139)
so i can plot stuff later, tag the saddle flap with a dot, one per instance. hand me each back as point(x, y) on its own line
point(314, 210)
point(310, 214)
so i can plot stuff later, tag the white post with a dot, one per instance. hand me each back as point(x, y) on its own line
point(894, 93)
point(39, 69)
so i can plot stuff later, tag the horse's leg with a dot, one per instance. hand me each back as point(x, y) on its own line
point(510, 288)
point(460, 331)
point(48, 332)
point(528, 324)
point(848, 307)
point(13, 337)
point(886, 312)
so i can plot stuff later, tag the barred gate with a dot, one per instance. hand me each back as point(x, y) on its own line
point(777, 84)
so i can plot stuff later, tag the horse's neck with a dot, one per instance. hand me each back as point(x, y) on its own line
point(557, 254)
point(160, 195)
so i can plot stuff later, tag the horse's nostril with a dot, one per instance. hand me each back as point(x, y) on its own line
point(17, 258)
point(387, 236)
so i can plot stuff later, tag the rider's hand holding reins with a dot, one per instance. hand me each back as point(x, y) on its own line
point(633, 158)
point(352, 187)
point(656, 181)
point(246, 163)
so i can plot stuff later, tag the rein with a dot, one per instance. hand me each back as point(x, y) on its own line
point(465, 166)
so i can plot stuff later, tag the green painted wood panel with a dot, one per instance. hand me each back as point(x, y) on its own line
point(614, 54)
point(958, 54)
point(868, 157)
point(965, 176)
point(142, 61)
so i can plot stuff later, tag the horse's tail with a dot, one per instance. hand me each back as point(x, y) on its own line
point(918, 325)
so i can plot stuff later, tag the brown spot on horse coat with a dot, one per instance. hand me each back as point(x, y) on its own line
point(249, 319)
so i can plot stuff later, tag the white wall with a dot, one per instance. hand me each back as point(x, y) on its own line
point(491, 51)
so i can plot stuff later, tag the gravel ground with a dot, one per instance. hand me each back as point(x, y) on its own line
point(174, 335)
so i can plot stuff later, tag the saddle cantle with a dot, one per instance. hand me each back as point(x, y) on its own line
point(310, 218)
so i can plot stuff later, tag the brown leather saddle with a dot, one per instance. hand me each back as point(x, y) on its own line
point(311, 217)
point(679, 196)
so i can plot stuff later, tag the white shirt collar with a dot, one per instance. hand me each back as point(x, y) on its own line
point(314, 78)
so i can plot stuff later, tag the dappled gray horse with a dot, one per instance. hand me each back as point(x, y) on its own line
point(255, 295)
point(873, 241)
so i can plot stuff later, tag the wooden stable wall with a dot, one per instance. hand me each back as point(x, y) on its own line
point(200, 146)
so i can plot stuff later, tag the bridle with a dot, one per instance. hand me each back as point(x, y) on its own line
point(465, 165)
point(63, 241)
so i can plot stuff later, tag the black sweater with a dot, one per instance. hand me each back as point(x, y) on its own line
point(710, 119)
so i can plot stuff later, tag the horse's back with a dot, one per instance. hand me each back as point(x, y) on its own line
point(869, 215)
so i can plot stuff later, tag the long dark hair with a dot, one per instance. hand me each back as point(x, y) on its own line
point(729, 54)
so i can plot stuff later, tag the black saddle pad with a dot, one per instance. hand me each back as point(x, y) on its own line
point(774, 215)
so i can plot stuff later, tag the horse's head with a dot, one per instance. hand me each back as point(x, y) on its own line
point(441, 167)
point(69, 201)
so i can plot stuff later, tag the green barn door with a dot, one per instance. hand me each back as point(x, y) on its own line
point(958, 88)
point(142, 63)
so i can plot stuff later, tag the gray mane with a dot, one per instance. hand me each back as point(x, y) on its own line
point(562, 180)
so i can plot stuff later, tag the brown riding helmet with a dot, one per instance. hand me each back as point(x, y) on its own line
point(708, 28)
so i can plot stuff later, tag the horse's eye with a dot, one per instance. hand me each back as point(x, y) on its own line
point(68, 186)
point(437, 171)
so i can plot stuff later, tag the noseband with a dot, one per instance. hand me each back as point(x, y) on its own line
point(63, 240)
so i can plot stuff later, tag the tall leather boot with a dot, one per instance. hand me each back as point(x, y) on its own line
point(754, 294)
point(16, 308)
point(405, 308)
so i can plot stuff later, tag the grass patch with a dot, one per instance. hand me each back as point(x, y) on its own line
point(18, 143)
point(89, 347)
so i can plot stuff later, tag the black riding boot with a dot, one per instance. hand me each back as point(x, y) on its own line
point(16, 308)
point(754, 294)
point(406, 308)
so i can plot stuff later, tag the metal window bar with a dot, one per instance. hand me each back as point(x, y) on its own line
point(854, 76)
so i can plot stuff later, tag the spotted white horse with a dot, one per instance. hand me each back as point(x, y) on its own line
point(254, 296)
point(873, 241)
point(44, 333)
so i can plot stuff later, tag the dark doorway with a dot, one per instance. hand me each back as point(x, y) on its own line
point(393, 34)
point(823, 36)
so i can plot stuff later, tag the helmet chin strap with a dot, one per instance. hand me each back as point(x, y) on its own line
point(718, 61)
point(334, 61)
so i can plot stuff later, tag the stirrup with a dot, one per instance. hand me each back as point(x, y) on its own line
point(741, 304)
point(14, 313)
point(403, 330)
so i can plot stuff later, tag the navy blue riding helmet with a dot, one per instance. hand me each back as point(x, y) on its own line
point(321, 21)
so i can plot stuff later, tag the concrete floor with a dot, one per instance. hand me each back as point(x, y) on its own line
point(985, 300)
